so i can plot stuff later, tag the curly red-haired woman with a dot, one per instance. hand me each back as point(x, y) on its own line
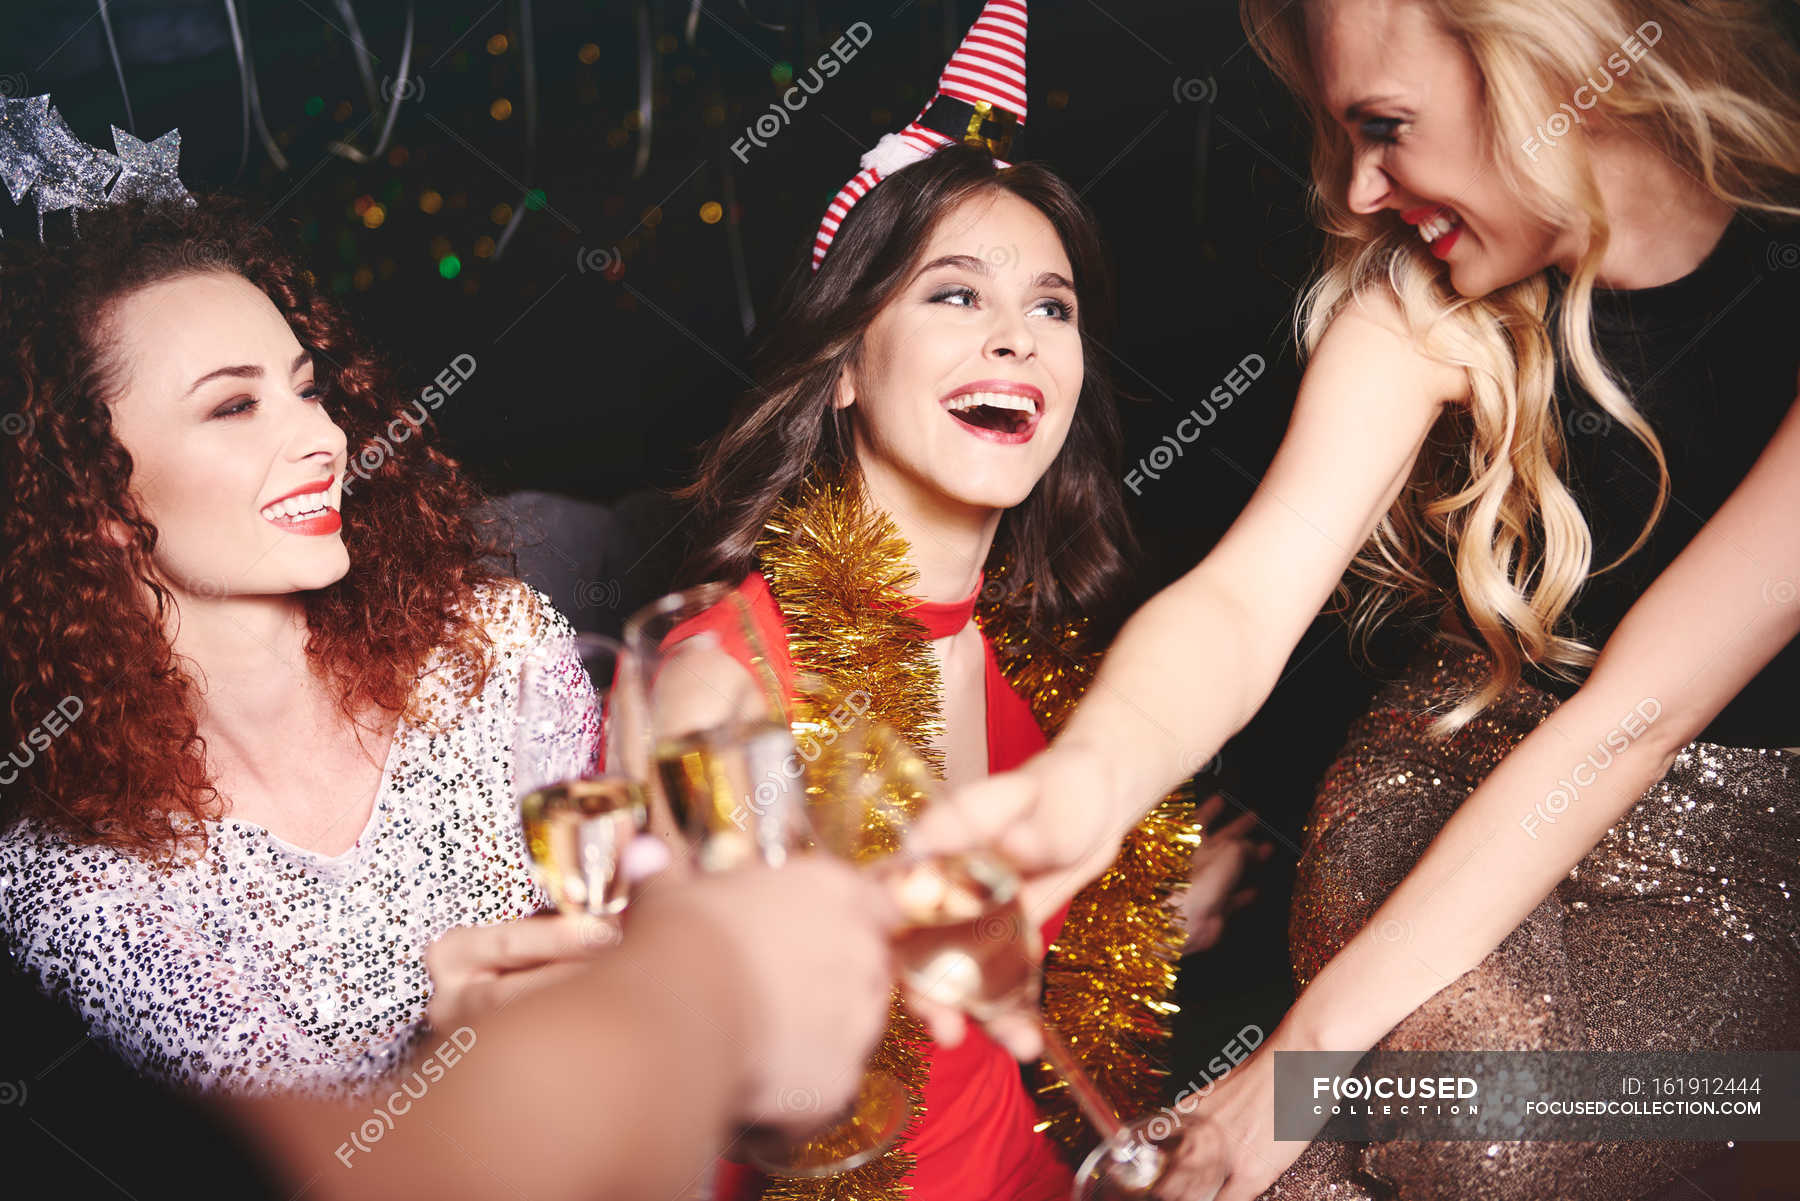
point(260, 707)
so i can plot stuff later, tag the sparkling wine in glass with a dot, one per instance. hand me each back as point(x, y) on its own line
point(726, 786)
point(968, 944)
point(966, 941)
point(727, 766)
point(717, 717)
point(576, 738)
point(1132, 1163)
point(578, 833)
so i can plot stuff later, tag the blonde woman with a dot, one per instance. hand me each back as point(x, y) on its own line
point(1550, 405)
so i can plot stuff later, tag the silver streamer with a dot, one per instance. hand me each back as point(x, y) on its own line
point(252, 95)
point(112, 47)
point(398, 89)
point(528, 56)
point(646, 108)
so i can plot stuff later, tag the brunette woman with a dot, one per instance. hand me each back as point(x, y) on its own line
point(1550, 403)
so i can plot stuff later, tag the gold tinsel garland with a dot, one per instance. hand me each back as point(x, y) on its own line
point(1109, 978)
point(840, 574)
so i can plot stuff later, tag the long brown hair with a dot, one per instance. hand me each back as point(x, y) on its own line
point(76, 624)
point(1069, 542)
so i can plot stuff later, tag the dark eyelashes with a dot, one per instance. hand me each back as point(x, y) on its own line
point(1064, 310)
point(1380, 129)
point(239, 407)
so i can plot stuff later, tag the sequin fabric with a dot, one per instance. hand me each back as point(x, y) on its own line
point(1678, 931)
point(263, 967)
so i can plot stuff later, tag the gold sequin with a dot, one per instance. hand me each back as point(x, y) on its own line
point(1676, 932)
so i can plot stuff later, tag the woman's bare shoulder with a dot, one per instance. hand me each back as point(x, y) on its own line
point(1372, 332)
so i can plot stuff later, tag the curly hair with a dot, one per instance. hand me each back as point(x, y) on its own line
point(131, 771)
point(1070, 543)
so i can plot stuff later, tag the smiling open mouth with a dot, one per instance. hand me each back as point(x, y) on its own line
point(1436, 227)
point(1439, 227)
point(297, 509)
point(309, 512)
point(995, 413)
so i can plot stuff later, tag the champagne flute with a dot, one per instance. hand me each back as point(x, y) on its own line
point(718, 725)
point(967, 942)
point(575, 740)
point(969, 945)
point(1132, 1162)
point(726, 763)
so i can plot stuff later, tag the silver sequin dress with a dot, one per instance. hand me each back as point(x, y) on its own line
point(264, 967)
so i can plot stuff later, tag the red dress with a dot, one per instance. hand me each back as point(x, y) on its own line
point(976, 1142)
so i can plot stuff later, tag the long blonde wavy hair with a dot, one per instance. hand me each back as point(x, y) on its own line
point(1716, 94)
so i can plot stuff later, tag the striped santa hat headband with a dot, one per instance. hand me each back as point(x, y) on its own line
point(980, 100)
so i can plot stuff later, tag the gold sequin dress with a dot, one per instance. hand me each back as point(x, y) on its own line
point(1678, 931)
point(265, 967)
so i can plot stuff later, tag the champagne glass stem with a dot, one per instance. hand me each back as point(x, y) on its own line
point(1094, 1105)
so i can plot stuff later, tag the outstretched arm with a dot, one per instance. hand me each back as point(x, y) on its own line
point(745, 996)
point(1197, 662)
point(1708, 624)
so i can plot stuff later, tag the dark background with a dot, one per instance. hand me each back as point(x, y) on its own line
point(609, 336)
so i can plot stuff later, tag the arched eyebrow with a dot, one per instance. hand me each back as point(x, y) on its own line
point(245, 371)
point(980, 266)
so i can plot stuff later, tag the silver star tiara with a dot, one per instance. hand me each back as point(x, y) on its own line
point(41, 155)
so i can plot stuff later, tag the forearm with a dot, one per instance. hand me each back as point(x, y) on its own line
point(1507, 847)
point(1185, 674)
point(1191, 668)
point(1702, 631)
point(621, 1083)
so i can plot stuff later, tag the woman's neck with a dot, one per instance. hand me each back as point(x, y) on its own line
point(1664, 221)
point(948, 541)
point(248, 658)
